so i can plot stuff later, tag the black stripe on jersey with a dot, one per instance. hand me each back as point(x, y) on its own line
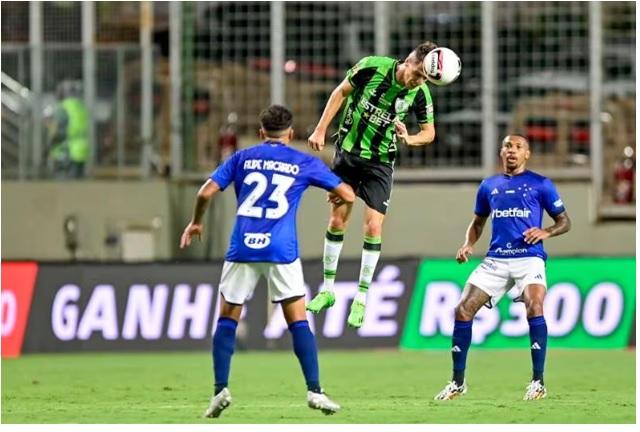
point(364, 76)
point(381, 131)
point(382, 88)
point(420, 106)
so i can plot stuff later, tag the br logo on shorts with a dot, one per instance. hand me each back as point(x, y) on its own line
point(257, 240)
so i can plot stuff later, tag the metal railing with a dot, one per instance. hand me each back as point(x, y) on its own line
point(116, 111)
point(16, 127)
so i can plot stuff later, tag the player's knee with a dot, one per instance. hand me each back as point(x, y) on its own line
point(534, 309)
point(337, 223)
point(373, 228)
point(463, 312)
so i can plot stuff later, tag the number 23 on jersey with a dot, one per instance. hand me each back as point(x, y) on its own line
point(249, 209)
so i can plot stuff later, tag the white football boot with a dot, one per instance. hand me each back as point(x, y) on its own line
point(321, 402)
point(451, 391)
point(218, 403)
point(535, 391)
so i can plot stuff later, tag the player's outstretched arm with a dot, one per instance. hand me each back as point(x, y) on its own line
point(426, 135)
point(194, 228)
point(562, 225)
point(474, 231)
point(343, 194)
point(338, 95)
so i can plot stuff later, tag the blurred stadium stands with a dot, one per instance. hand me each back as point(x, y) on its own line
point(167, 108)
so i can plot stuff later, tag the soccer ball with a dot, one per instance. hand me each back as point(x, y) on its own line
point(442, 66)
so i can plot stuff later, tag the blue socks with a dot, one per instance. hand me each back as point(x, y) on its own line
point(538, 338)
point(462, 340)
point(224, 340)
point(304, 346)
point(459, 348)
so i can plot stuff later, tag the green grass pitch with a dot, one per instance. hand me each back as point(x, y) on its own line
point(267, 387)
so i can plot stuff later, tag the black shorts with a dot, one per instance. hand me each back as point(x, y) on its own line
point(371, 181)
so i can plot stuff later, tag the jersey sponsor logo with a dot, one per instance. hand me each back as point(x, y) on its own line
point(510, 252)
point(257, 240)
point(558, 203)
point(510, 213)
point(374, 115)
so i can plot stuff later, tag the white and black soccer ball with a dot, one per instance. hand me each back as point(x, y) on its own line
point(442, 66)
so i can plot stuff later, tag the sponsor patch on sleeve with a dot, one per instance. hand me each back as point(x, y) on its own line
point(558, 203)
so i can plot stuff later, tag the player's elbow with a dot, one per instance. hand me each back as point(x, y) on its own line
point(568, 224)
point(425, 137)
point(339, 95)
point(204, 195)
point(430, 135)
point(207, 190)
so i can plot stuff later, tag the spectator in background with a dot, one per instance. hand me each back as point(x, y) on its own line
point(68, 147)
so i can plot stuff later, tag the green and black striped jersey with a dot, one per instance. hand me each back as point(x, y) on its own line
point(366, 125)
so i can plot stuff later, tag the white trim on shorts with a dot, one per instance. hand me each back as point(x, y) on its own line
point(497, 276)
point(239, 280)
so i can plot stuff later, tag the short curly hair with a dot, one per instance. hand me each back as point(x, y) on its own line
point(275, 119)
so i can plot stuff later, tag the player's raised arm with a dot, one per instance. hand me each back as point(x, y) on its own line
point(194, 228)
point(338, 95)
point(473, 233)
point(423, 110)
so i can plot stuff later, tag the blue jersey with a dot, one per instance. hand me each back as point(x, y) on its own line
point(515, 204)
point(269, 181)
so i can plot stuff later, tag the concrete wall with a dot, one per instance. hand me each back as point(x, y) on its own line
point(423, 220)
point(33, 214)
point(430, 220)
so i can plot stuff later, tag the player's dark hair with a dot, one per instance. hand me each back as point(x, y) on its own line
point(423, 49)
point(276, 119)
